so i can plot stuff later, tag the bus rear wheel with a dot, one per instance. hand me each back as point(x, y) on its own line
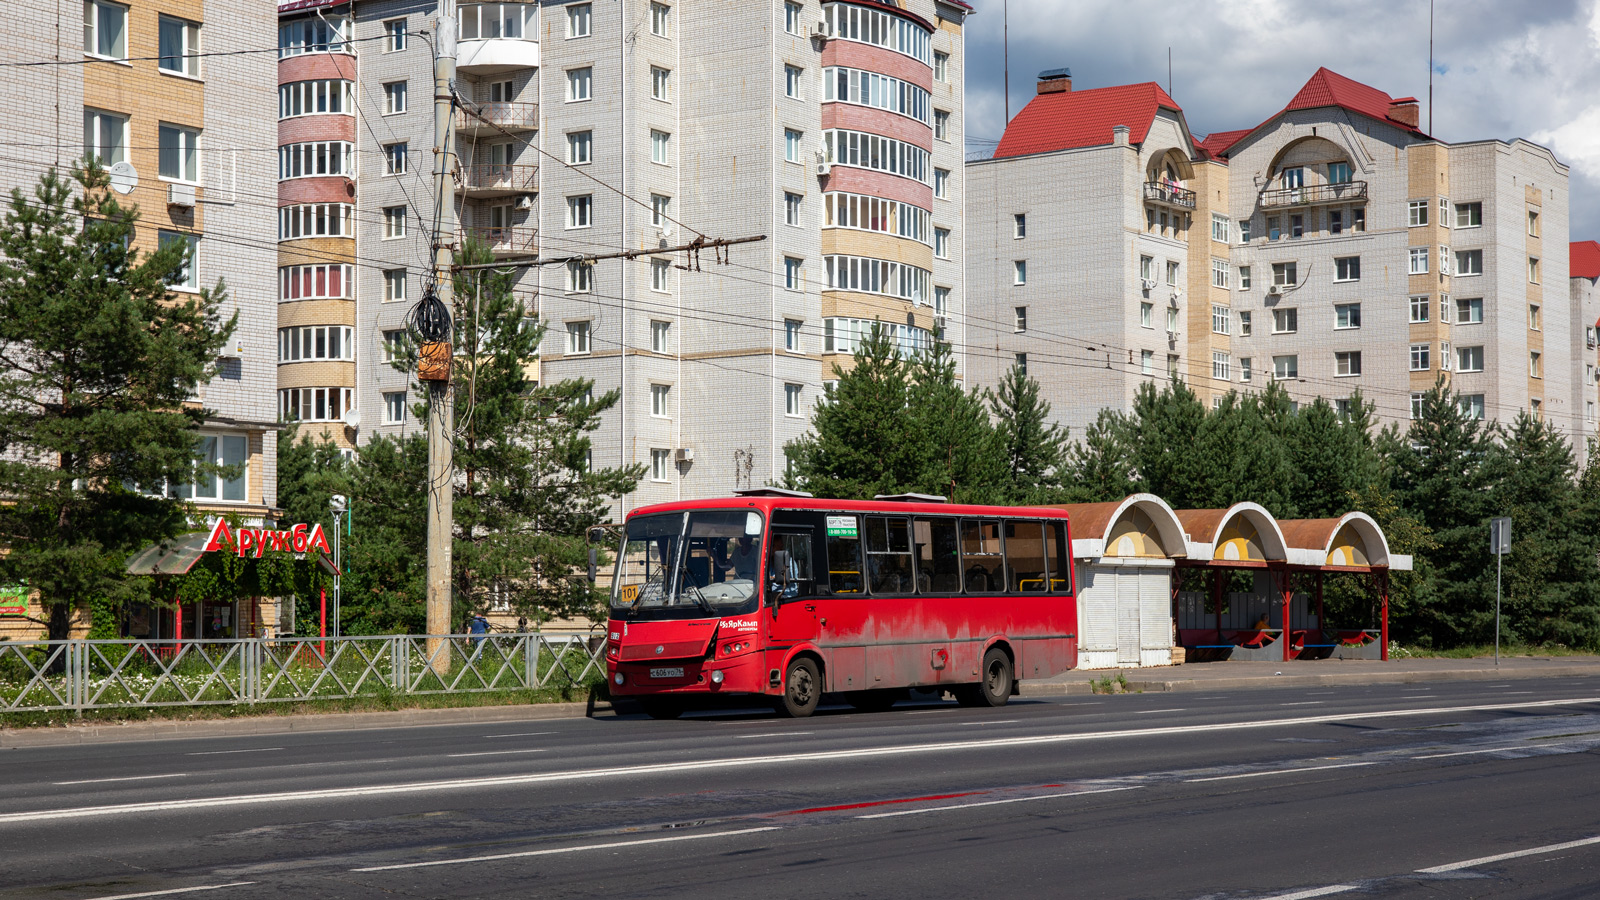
point(995, 688)
point(802, 689)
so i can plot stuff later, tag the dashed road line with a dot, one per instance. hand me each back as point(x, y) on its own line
point(1515, 854)
point(557, 850)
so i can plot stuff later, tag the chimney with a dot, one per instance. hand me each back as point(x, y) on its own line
point(1404, 111)
point(1119, 135)
point(1054, 81)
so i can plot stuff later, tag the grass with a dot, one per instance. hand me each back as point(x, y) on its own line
point(1109, 685)
point(1480, 651)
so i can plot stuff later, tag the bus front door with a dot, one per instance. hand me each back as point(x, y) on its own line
point(790, 602)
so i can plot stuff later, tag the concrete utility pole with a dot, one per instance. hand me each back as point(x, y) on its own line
point(441, 415)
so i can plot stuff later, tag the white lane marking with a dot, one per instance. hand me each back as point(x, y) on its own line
point(1470, 752)
point(923, 712)
point(555, 850)
point(220, 752)
point(1303, 703)
point(746, 737)
point(126, 778)
point(742, 762)
point(1508, 693)
point(1313, 892)
point(494, 753)
point(521, 734)
point(1151, 712)
point(166, 893)
point(1280, 772)
point(1485, 860)
point(918, 812)
point(988, 722)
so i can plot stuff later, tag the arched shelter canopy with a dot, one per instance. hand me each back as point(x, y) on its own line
point(1137, 526)
point(1352, 542)
point(1243, 535)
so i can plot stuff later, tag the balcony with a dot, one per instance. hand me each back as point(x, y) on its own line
point(486, 180)
point(487, 119)
point(1319, 194)
point(1168, 195)
point(505, 240)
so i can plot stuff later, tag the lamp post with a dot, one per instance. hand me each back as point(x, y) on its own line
point(339, 503)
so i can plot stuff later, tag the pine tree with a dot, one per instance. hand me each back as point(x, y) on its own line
point(1166, 433)
point(1331, 456)
point(1100, 468)
point(1035, 448)
point(1243, 459)
point(858, 444)
point(956, 450)
point(97, 360)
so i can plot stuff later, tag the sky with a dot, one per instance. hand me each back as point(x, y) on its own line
point(1502, 68)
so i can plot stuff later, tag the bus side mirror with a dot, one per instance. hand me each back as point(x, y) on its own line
point(594, 563)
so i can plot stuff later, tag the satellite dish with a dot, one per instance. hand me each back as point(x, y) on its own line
point(666, 229)
point(124, 178)
point(352, 418)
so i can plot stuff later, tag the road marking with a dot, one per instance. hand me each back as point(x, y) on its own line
point(1313, 892)
point(923, 712)
point(1151, 712)
point(127, 778)
point(989, 722)
point(918, 812)
point(1509, 693)
point(166, 893)
point(1303, 703)
point(1280, 772)
point(746, 737)
point(521, 734)
point(555, 850)
point(745, 762)
point(220, 752)
point(1485, 860)
point(494, 753)
point(1471, 752)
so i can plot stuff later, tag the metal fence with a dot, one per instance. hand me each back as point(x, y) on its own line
point(127, 674)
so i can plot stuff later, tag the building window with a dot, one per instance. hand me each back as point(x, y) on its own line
point(1019, 321)
point(580, 211)
point(395, 159)
point(1469, 359)
point(316, 96)
point(1358, 219)
point(791, 81)
point(578, 20)
point(1417, 213)
point(1469, 311)
point(1221, 320)
point(1294, 177)
point(1418, 257)
point(1019, 271)
point(1534, 319)
point(1446, 260)
point(222, 450)
point(941, 67)
point(1347, 315)
point(660, 147)
point(394, 285)
point(1533, 270)
point(394, 344)
point(1339, 173)
point(660, 19)
point(1147, 362)
point(394, 32)
point(658, 400)
point(1419, 309)
point(1416, 406)
point(791, 335)
point(1419, 357)
point(1219, 227)
point(661, 83)
point(1347, 363)
point(941, 243)
point(1020, 360)
point(1219, 273)
point(1297, 226)
point(394, 407)
point(660, 209)
point(394, 222)
point(1533, 223)
point(580, 278)
point(1285, 320)
point(791, 400)
point(1172, 320)
point(318, 282)
point(941, 301)
point(1244, 369)
point(1274, 232)
point(941, 183)
point(1220, 364)
point(660, 337)
point(187, 276)
point(1244, 278)
point(792, 23)
point(1285, 274)
point(321, 404)
point(1244, 323)
point(580, 147)
point(316, 158)
point(1172, 274)
point(660, 275)
point(941, 125)
point(577, 338)
point(1173, 370)
point(1147, 271)
point(1347, 268)
point(317, 220)
point(660, 464)
point(1285, 367)
point(791, 144)
point(1019, 225)
point(105, 137)
point(1469, 215)
point(1535, 364)
point(1472, 406)
point(1244, 231)
point(791, 208)
point(580, 84)
point(394, 98)
point(179, 44)
point(791, 273)
point(179, 153)
point(105, 29)
point(1147, 312)
point(1335, 221)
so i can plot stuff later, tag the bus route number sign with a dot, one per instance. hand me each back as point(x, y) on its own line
point(842, 526)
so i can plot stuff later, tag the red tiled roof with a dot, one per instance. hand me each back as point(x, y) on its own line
point(1083, 118)
point(1585, 259)
point(296, 5)
point(1218, 142)
point(1329, 88)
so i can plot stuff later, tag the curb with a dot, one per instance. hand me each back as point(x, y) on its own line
point(1268, 682)
point(17, 738)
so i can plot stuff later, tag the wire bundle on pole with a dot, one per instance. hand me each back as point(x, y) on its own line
point(430, 319)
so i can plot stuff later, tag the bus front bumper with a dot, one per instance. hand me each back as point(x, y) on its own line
point(742, 674)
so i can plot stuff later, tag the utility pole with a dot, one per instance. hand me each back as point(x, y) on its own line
point(441, 416)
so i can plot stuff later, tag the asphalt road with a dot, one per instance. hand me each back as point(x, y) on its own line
point(1389, 791)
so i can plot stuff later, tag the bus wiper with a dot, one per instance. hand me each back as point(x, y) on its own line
point(699, 598)
point(660, 576)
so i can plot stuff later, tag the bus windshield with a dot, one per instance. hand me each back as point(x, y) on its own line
point(701, 562)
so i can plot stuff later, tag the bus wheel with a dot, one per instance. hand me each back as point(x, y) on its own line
point(995, 688)
point(657, 708)
point(874, 701)
point(802, 689)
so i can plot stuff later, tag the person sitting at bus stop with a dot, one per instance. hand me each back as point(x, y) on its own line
point(1263, 623)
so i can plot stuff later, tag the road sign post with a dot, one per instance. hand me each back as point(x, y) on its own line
point(1499, 545)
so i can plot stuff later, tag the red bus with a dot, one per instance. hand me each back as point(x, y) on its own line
point(787, 597)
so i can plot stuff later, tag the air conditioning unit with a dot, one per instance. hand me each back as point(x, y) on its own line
point(683, 454)
point(1148, 284)
point(1172, 336)
point(1274, 290)
point(524, 203)
point(941, 322)
point(823, 166)
point(180, 195)
point(233, 349)
point(821, 29)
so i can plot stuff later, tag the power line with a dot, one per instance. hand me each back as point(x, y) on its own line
point(123, 60)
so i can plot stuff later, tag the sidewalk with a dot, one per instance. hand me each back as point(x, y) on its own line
point(1208, 676)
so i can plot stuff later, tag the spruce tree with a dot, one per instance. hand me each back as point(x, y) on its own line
point(1166, 435)
point(1034, 448)
point(98, 359)
point(1244, 460)
point(1100, 467)
point(860, 432)
point(957, 453)
point(1331, 456)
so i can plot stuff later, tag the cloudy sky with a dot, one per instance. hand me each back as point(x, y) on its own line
point(1502, 68)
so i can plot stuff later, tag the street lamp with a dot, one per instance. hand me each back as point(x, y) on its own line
point(339, 503)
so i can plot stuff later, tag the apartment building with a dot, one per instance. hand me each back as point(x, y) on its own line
point(148, 90)
point(1584, 272)
point(1334, 247)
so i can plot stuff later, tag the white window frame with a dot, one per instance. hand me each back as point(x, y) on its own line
point(792, 21)
point(1221, 319)
point(661, 276)
point(1244, 278)
point(941, 125)
point(1347, 364)
point(792, 207)
point(396, 158)
point(393, 344)
point(580, 211)
point(1285, 367)
point(1465, 308)
point(792, 139)
point(791, 334)
point(941, 183)
point(394, 222)
point(580, 147)
point(580, 277)
point(580, 20)
point(792, 403)
point(1417, 213)
point(1417, 260)
point(660, 209)
point(1221, 366)
point(1289, 315)
point(1351, 266)
point(187, 278)
point(1422, 303)
point(187, 150)
point(661, 20)
point(580, 84)
point(1019, 271)
point(188, 55)
point(1344, 311)
point(941, 67)
point(793, 273)
point(660, 459)
point(395, 33)
point(93, 24)
point(104, 147)
point(580, 338)
point(660, 147)
point(394, 285)
point(1470, 359)
point(395, 407)
point(394, 97)
point(661, 84)
point(792, 81)
point(660, 401)
point(941, 243)
point(1019, 319)
point(1220, 273)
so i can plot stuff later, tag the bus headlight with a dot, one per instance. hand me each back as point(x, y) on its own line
point(617, 678)
point(716, 677)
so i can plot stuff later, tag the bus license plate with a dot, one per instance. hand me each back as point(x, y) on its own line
point(672, 672)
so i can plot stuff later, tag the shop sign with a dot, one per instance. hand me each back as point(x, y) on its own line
point(298, 539)
point(13, 600)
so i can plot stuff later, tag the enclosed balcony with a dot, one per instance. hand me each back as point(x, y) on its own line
point(497, 38)
point(488, 119)
point(1168, 193)
point(505, 240)
point(486, 180)
point(1315, 195)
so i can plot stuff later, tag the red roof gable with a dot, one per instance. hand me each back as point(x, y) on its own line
point(1585, 259)
point(1218, 142)
point(1329, 88)
point(1061, 121)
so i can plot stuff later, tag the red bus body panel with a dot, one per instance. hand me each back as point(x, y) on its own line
point(863, 642)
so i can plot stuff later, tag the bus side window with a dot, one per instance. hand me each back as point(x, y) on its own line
point(799, 579)
point(1025, 568)
point(1060, 555)
point(889, 555)
point(984, 566)
point(844, 555)
point(938, 556)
